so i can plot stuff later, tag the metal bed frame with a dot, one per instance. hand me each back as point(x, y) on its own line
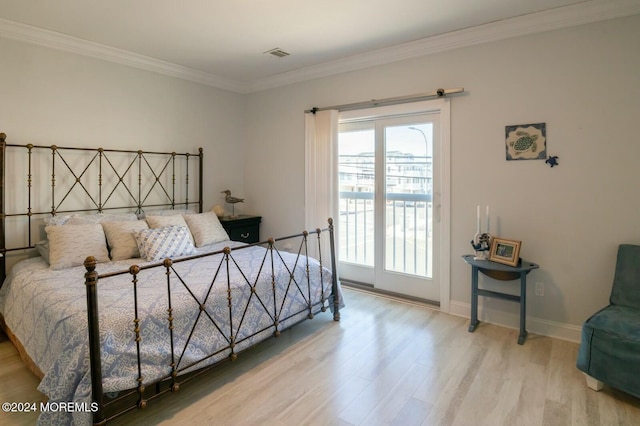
point(99, 199)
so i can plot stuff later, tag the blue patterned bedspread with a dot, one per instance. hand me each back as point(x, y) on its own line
point(46, 310)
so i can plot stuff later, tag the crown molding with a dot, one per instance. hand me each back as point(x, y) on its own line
point(548, 20)
point(39, 36)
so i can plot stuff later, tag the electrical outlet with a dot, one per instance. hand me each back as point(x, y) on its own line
point(539, 289)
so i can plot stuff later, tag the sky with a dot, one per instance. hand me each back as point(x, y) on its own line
point(399, 138)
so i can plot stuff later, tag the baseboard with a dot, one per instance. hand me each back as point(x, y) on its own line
point(364, 288)
point(389, 294)
point(534, 325)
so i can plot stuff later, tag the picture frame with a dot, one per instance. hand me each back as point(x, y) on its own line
point(526, 141)
point(505, 251)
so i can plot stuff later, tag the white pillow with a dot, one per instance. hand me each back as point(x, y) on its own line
point(121, 238)
point(162, 221)
point(70, 245)
point(57, 219)
point(160, 243)
point(166, 212)
point(101, 218)
point(43, 249)
point(206, 228)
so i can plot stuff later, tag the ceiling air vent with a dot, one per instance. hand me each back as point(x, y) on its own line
point(277, 52)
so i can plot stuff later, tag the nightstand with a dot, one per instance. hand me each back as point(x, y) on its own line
point(245, 228)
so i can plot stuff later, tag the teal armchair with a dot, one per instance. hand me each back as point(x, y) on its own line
point(609, 351)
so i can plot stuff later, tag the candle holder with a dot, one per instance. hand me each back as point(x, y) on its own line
point(481, 243)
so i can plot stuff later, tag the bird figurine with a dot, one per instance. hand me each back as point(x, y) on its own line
point(231, 200)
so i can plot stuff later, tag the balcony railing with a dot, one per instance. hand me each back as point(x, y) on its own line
point(408, 241)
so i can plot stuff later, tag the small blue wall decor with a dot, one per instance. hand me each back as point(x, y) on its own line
point(526, 141)
point(552, 160)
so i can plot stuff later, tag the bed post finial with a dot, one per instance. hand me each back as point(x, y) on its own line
point(90, 265)
point(91, 282)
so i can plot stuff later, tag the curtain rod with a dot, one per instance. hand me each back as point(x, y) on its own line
point(439, 93)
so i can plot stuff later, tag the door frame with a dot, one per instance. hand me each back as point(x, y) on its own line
point(442, 198)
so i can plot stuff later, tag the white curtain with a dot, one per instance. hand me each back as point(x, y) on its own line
point(321, 181)
point(321, 157)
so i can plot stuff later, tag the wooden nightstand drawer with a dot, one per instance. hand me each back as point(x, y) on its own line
point(243, 228)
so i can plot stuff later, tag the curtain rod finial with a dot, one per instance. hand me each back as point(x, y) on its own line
point(314, 110)
point(440, 92)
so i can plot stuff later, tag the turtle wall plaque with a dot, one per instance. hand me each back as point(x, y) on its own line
point(526, 141)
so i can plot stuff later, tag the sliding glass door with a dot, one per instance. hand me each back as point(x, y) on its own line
point(389, 234)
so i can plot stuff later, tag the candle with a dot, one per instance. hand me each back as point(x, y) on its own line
point(478, 219)
point(487, 219)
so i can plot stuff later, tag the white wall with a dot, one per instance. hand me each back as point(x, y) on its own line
point(583, 82)
point(54, 97)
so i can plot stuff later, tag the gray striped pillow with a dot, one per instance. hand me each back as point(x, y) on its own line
point(160, 243)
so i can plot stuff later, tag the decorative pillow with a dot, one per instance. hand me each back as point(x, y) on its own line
point(167, 212)
point(121, 238)
point(43, 249)
point(57, 220)
point(70, 245)
point(206, 228)
point(160, 243)
point(101, 218)
point(162, 221)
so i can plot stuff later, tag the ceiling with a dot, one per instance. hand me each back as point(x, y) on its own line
point(222, 43)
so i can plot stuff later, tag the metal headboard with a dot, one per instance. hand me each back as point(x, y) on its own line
point(140, 180)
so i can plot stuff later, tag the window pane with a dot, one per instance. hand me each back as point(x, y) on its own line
point(356, 169)
point(408, 168)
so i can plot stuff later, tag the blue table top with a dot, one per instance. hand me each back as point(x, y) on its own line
point(523, 265)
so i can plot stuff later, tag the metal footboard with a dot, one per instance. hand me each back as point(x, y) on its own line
point(280, 301)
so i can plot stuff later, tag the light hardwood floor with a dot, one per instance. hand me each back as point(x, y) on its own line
point(386, 363)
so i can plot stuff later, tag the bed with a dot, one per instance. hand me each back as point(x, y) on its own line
point(118, 310)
